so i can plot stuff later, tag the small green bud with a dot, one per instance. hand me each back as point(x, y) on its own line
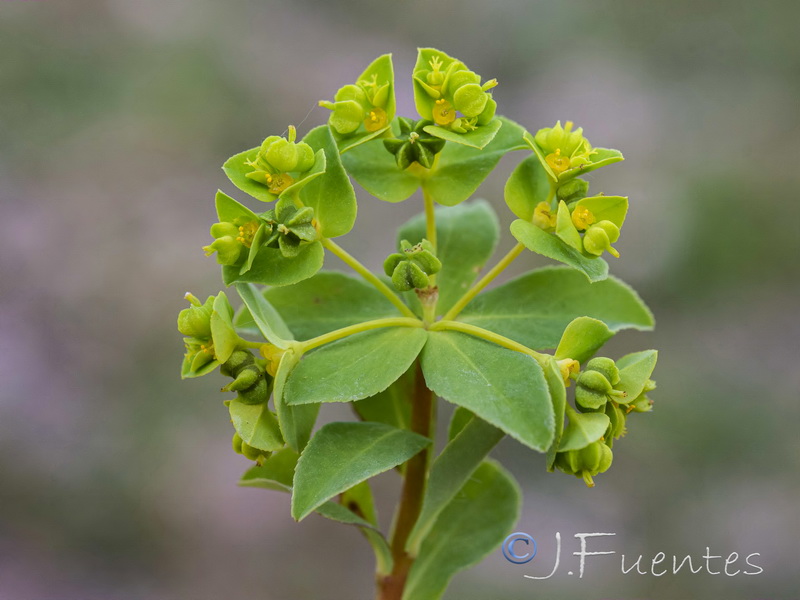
point(195, 321)
point(599, 238)
point(616, 428)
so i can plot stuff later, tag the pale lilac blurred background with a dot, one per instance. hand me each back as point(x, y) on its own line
point(118, 481)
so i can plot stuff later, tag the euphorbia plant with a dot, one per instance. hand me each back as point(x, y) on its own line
point(391, 344)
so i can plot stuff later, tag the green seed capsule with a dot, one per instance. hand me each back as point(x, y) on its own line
point(606, 366)
point(599, 237)
point(408, 275)
point(470, 99)
point(195, 321)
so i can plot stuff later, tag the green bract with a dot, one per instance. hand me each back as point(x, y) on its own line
point(517, 359)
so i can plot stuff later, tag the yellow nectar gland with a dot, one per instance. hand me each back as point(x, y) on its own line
point(278, 183)
point(273, 355)
point(376, 119)
point(543, 216)
point(558, 162)
point(443, 112)
point(582, 217)
point(246, 233)
point(569, 368)
point(207, 349)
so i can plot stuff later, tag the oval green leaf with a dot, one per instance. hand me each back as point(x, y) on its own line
point(356, 367)
point(341, 455)
point(503, 387)
point(535, 308)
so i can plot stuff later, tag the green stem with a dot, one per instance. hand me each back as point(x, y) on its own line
point(484, 281)
point(429, 308)
point(338, 334)
point(390, 587)
point(489, 336)
point(368, 275)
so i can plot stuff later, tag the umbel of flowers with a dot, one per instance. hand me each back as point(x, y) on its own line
point(519, 359)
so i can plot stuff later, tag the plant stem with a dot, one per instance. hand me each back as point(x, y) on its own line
point(429, 309)
point(352, 262)
point(489, 336)
point(430, 219)
point(484, 281)
point(338, 334)
point(390, 587)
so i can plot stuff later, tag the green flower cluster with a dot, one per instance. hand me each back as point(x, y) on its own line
point(606, 392)
point(451, 95)
point(367, 105)
point(280, 161)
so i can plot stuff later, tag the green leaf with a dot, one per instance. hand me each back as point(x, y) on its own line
point(223, 334)
point(503, 387)
point(583, 429)
point(634, 371)
point(470, 527)
point(263, 314)
point(478, 138)
point(327, 301)
point(528, 185)
point(375, 169)
point(461, 416)
point(392, 406)
point(582, 338)
point(541, 242)
point(276, 473)
point(466, 238)
point(606, 208)
point(461, 169)
point(331, 196)
point(340, 455)
point(296, 421)
point(256, 425)
point(270, 267)
point(450, 471)
point(535, 308)
point(558, 394)
point(356, 367)
point(229, 210)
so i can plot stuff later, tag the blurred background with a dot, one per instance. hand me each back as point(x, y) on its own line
point(117, 480)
